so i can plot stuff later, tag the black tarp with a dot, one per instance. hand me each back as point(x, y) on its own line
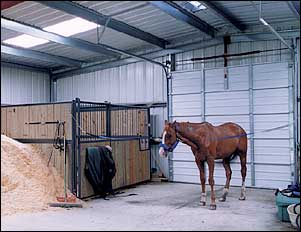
point(100, 169)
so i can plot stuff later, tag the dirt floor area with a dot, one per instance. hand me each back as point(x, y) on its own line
point(159, 206)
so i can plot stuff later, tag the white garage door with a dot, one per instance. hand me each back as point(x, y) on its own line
point(257, 97)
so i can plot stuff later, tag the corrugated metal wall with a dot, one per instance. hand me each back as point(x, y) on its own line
point(24, 86)
point(183, 63)
point(133, 83)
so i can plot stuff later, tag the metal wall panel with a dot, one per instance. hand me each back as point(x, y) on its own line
point(19, 86)
point(124, 84)
point(183, 63)
point(269, 162)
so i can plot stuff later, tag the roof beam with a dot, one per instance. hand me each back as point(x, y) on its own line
point(39, 55)
point(295, 8)
point(224, 16)
point(91, 67)
point(40, 33)
point(181, 14)
point(101, 19)
point(7, 63)
point(9, 4)
point(81, 44)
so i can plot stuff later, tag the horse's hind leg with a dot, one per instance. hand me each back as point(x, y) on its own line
point(210, 162)
point(243, 163)
point(226, 163)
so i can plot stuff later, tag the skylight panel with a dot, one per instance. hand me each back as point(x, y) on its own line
point(66, 28)
point(71, 27)
point(25, 41)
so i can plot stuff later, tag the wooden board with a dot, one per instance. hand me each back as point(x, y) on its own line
point(3, 120)
point(132, 165)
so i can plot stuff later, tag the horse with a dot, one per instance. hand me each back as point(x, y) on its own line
point(209, 143)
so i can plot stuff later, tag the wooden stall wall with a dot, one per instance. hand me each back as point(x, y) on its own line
point(15, 119)
point(132, 165)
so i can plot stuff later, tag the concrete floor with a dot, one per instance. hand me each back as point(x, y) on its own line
point(159, 206)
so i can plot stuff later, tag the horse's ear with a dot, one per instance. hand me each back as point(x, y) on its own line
point(174, 123)
point(165, 122)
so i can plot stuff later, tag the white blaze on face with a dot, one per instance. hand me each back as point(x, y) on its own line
point(161, 150)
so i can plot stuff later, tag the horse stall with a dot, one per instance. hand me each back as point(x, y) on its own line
point(85, 124)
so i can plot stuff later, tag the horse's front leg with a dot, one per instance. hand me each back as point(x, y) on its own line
point(201, 167)
point(210, 162)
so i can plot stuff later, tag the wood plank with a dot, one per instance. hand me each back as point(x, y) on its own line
point(51, 128)
point(4, 121)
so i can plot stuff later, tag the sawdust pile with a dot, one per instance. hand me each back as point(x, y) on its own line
point(27, 184)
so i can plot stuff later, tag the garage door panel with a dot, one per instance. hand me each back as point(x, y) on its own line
point(186, 105)
point(271, 101)
point(238, 78)
point(186, 82)
point(272, 149)
point(242, 120)
point(227, 103)
point(214, 80)
point(263, 123)
point(270, 75)
point(195, 119)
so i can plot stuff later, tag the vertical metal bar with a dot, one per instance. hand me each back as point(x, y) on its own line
point(148, 140)
point(297, 108)
point(292, 119)
point(203, 102)
point(73, 148)
point(251, 120)
point(169, 118)
point(108, 120)
point(78, 149)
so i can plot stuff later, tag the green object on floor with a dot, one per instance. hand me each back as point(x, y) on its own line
point(282, 203)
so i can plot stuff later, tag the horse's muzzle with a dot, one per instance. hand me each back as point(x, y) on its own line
point(162, 152)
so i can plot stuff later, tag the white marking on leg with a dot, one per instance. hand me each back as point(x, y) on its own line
point(203, 197)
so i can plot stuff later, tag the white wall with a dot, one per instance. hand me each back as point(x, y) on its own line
point(133, 83)
point(19, 86)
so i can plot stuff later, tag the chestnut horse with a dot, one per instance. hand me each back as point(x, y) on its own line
point(209, 143)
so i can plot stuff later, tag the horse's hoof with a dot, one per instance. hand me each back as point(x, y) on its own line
point(212, 207)
point(222, 199)
point(242, 198)
point(202, 203)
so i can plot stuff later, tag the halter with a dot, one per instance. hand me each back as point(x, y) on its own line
point(171, 148)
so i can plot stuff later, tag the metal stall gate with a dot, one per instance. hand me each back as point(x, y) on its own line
point(125, 128)
point(258, 97)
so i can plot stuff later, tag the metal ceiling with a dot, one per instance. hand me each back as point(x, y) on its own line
point(223, 16)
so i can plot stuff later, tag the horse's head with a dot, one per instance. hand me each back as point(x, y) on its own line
point(169, 139)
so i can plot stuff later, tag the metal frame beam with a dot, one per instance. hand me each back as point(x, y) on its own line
point(180, 13)
point(34, 31)
point(224, 16)
point(91, 67)
point(295, 8)
point(40, 33)
point(39, 55)
point(101, 19)
point(10, 64)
